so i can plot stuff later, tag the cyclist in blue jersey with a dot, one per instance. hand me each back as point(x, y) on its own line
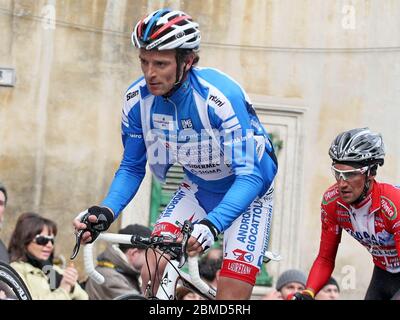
point(203, 120)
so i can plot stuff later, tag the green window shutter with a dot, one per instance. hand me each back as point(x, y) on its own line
point(263, 278)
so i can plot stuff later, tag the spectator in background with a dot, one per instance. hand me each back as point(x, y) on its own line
point(214, 253)
point(209, 269)
point(121, 266)
point(289, 282)
point(183, 293)
point(3, 203)
point(210, 266)
point(31, 253)
point(330, 291)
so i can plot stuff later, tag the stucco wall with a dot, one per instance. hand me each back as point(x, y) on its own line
point(60, 124)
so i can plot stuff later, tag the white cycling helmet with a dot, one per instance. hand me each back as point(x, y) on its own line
point(359, 146)
point(166, 29)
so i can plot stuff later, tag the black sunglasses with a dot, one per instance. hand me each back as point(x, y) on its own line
point(43, 240)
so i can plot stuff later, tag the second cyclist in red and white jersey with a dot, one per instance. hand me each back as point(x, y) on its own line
point(365, 208)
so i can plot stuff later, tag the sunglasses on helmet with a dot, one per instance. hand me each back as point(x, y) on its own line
point(347, 174)
point(43, 240)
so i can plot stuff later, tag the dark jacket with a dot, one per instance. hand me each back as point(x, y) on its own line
point(120, 277)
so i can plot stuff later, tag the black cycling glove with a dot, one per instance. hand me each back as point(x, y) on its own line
point(302, 296)
point(104, 219)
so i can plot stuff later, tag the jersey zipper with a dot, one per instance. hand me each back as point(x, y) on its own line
point(176, 126)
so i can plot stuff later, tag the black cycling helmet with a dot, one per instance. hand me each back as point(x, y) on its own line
point(166, 29)
point(358, 146)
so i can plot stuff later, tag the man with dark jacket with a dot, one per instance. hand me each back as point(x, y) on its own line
point(120, 265)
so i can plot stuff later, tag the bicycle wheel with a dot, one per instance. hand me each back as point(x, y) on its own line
point(12, 287)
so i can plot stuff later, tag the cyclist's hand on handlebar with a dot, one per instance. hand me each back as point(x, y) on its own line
point(95, 220)
point(78, 225)
point(88, 225)
point(202, 238)
point(193, 247)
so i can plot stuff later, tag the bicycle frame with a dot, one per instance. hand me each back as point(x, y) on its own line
point(171, 276)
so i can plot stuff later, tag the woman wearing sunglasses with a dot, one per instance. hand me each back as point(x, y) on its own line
point(365, 208)
point(31, 253)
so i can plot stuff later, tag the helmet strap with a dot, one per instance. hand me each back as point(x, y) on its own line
point(180, 77)
point(367, 185)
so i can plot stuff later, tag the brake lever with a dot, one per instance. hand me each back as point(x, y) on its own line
point(78, 237)
point(186, 231)
point(184, 254)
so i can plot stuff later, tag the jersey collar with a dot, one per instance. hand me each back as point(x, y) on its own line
point(181, 92)
point(375, 195)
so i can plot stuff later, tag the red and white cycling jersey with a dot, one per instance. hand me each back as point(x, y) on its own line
point(374, 223)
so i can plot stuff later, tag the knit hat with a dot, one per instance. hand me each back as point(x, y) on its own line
point(333, 282)
point(134, 229)
point(291, 275)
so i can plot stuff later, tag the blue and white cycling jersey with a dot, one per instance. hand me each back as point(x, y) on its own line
point(208, 126)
